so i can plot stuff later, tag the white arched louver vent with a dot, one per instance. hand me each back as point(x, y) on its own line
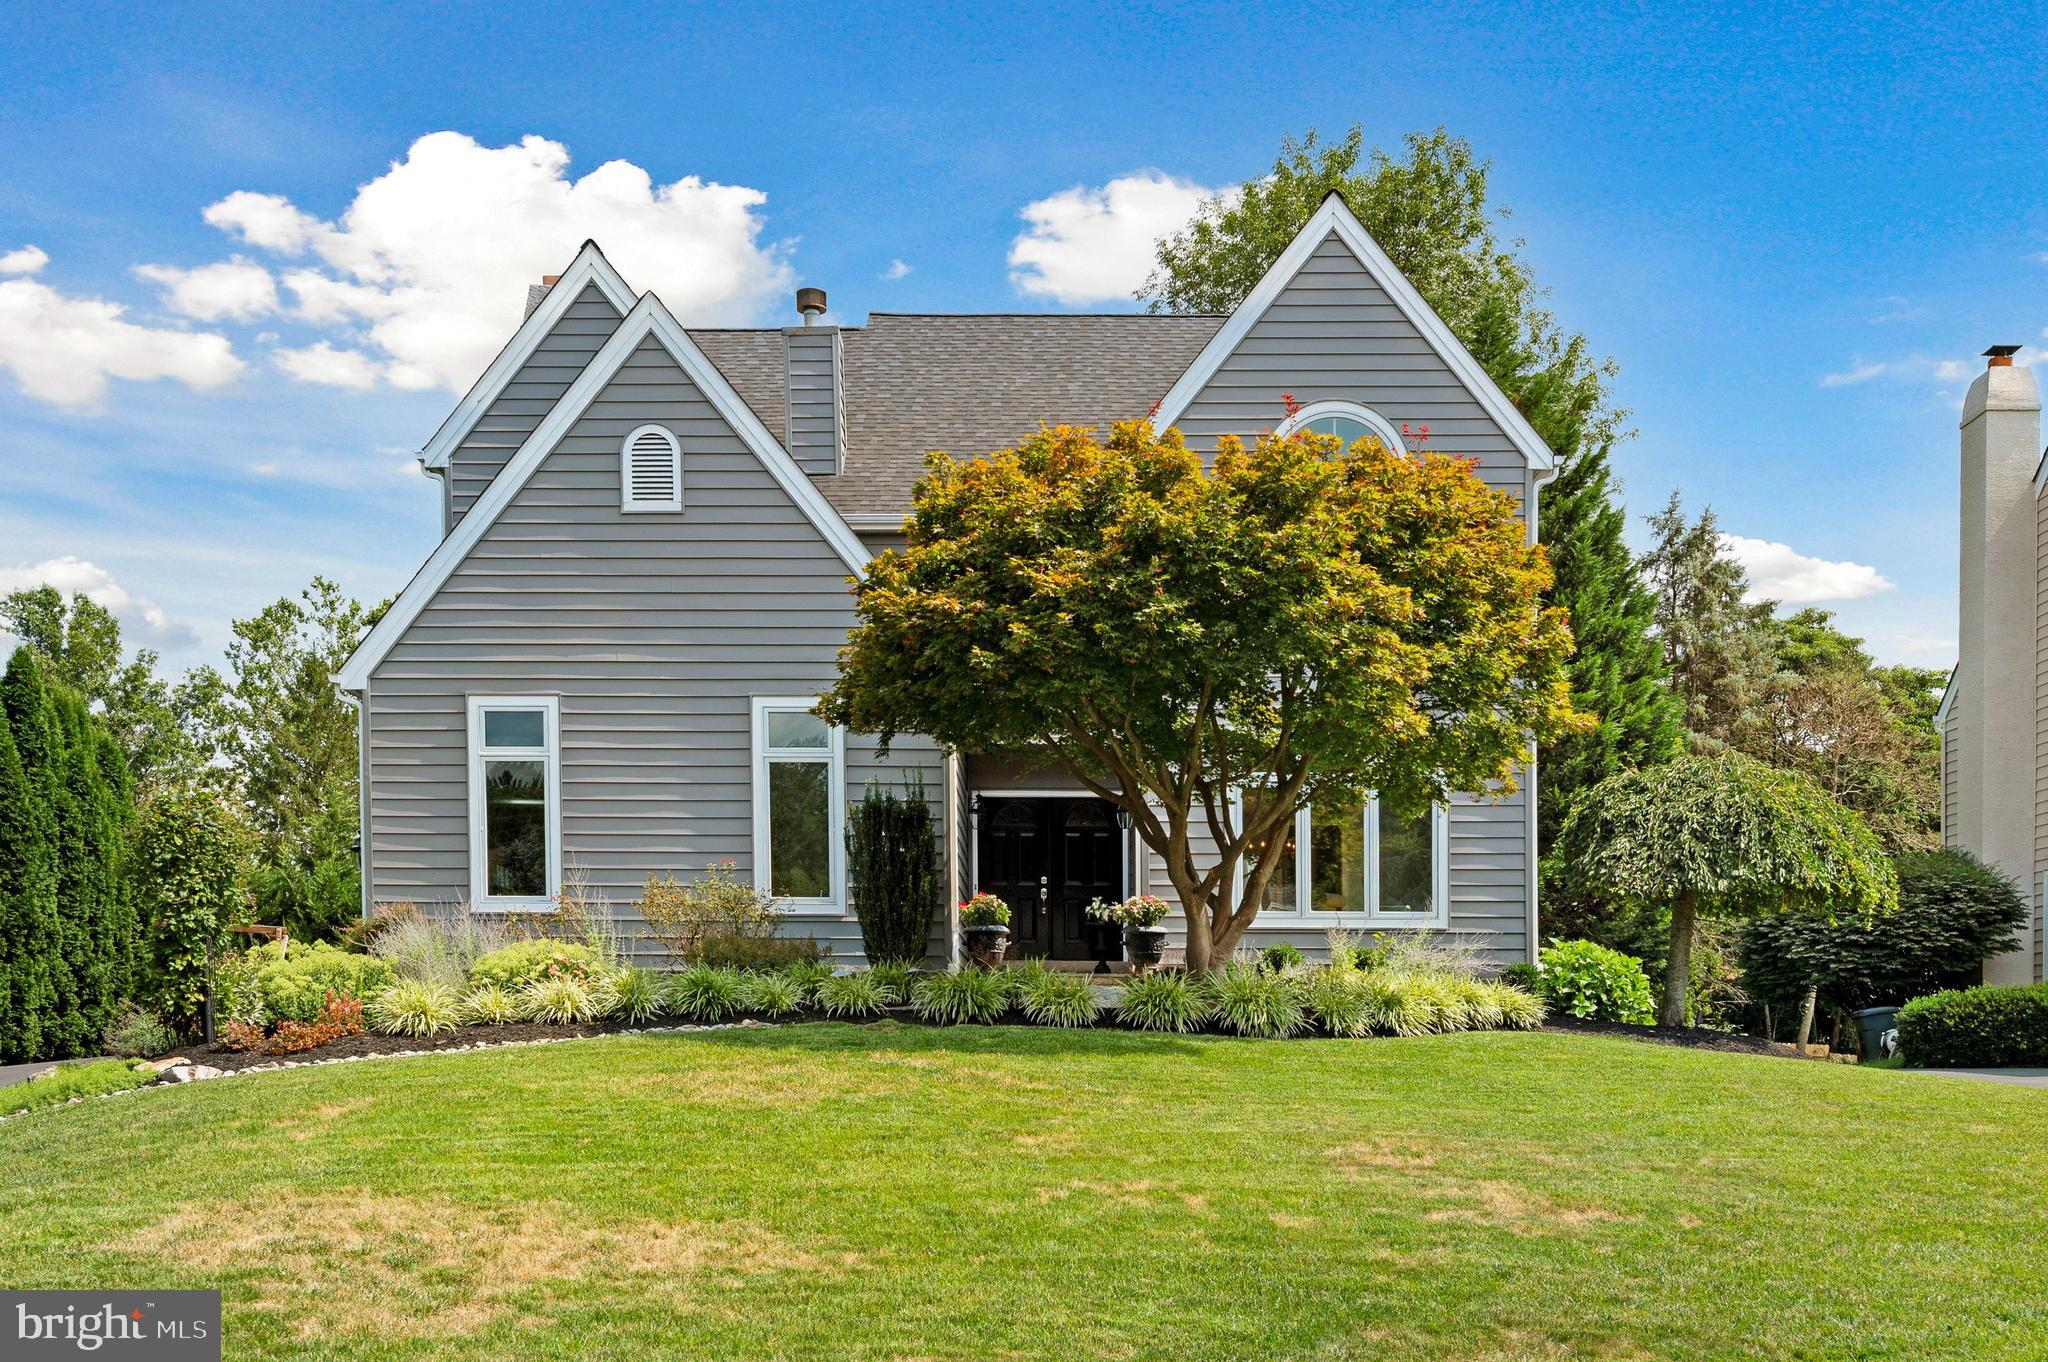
point(651, 471)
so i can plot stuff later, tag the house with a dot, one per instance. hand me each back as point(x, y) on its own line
point(1994, 715)
point(604, 669)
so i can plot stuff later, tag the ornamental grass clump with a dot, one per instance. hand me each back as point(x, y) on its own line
point(896, 976)
point(559, 1000)
point(855, 995)
point(963, 995)
point(1335, 997)
point(1519, 1008)
point(704, 993)
point(1056, 998)
point(634, 995)
point(1394, 1006)
point(808, 974)
point(488, 1006)
point(1163, 1001)
point(1253, 1002)
point(413, 1007)
point(771, 995)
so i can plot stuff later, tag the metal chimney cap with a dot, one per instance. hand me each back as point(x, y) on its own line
point(810, 302)
point(2000, 356)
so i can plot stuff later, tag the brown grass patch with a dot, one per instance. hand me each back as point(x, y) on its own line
point(315, 1120)
point(1292, 1222)
point(1521, 1210)
point(354, 1261)
point(1354, 1159)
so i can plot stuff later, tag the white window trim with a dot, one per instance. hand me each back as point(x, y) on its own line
point(835, 754)
point(551, 753)
point(1304, 873)
point(1389, 434)
point(669, 505)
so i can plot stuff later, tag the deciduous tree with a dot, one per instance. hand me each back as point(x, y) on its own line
point(1300, 619)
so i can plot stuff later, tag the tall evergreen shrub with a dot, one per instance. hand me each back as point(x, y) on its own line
point(95, 912)
point(188, 860)
point(31, 939)
point(892, 856)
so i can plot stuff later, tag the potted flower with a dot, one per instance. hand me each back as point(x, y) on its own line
point(985, 927)
point(1139, 916)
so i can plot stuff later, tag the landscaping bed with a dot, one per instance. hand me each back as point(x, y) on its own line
point(1688, 1037)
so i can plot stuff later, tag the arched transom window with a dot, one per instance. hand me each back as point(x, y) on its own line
point(1348, 421)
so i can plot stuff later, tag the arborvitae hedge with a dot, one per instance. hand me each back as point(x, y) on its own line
point(892, 855)
point(67, 934)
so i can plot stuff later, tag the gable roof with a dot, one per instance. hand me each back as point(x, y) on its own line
point(588, 270)
point(1335, 216)
point(648, 318)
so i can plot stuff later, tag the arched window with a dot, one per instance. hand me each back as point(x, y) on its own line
point(651, 471)
point(1348, 421)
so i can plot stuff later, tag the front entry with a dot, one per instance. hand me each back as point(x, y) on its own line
point(1049, 859)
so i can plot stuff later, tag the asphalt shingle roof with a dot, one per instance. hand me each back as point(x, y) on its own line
point(967, 384)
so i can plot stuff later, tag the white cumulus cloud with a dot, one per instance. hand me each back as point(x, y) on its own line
point(234, 289)
point(1778, 572)
point(321, 362)
point(1911, 369)
point(897, 270)
point(1086, 245)
point(26, 260)
point(430, 261)
point(77, 577)
point(63, 349)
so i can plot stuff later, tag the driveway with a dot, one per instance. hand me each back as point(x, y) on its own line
point(2019, 1078)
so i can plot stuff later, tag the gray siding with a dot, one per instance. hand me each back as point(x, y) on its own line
point(1333, 334)
point(533, 391)
point(811, 364)
point(654, 631)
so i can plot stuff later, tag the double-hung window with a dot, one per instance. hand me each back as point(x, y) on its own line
point(1360, 863)
point(515, 803)
point(799, 806)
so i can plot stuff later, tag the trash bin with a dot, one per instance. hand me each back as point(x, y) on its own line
point(1879, 1029)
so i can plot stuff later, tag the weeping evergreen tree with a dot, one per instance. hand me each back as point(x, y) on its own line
point(31, 938)
point(1428, 209)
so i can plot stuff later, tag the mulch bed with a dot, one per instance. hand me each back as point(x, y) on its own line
point(370, 1043)
point(1687, 1037)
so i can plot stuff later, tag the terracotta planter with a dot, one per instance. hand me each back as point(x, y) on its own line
point(986, 946)
point(1144, 947)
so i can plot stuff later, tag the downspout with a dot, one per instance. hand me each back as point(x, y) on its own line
point(953, 830)
point(359, 702)
point(1532, 508)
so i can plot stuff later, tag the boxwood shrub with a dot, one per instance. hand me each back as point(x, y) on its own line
point(1987, 1027)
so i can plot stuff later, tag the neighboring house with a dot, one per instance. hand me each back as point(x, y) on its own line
point(604, 670)
point(1994, 716)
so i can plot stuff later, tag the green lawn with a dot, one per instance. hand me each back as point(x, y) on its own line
point(906, 1193)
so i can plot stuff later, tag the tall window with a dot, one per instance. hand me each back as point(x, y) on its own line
point(1348, 421)
point(515, 819)
point(799, 805)
point(1282, 890)
point(1360, 862)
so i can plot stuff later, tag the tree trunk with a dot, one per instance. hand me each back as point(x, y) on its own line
point(1678, 973)
point(1199, 952)
point(1806, 1016)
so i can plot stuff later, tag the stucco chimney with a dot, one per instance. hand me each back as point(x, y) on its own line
point(1995, 673)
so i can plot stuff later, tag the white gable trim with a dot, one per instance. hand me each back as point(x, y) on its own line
point(1948, 697)
point(589, 268)
point(1335, 216)
point(647, 318)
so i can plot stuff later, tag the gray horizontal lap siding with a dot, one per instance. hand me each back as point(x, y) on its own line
point(1333, 334)
point(811, 398)
point(562, 354)
point(654, 630)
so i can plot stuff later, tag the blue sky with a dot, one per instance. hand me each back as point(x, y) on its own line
point(1793, 234)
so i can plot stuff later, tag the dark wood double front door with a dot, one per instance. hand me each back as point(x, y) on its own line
point(1049, 859)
